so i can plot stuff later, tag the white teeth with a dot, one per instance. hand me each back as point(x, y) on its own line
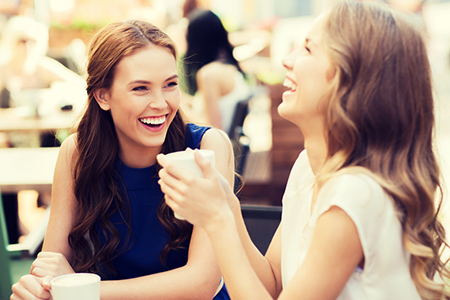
point(154, 120)
point(289, 84)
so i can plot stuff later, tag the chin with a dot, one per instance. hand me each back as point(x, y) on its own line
point(283, 111)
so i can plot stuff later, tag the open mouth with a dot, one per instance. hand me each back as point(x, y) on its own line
point(290, 84)
point(153, 121)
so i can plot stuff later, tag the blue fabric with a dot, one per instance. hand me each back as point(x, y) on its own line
point(149, 237)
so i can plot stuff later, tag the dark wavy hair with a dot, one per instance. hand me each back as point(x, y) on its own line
point(207, 41)
point(380, 120)
point(95, 184)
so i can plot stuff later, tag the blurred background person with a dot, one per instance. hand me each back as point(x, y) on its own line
point(31, 80)
point(24, 64)
point(212, 73)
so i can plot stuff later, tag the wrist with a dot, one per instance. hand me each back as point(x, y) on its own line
point(219, 221)
point(235, 205)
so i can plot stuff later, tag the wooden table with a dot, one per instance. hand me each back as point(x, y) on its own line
point(27, 169)
point(10, 121)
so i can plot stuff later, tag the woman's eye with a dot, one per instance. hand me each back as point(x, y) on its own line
point(307, 49)
point(140, 88)
point(172, 84)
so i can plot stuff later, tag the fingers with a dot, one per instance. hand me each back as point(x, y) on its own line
point(29, 287)
point(40, 272)
point(172, 169)
point(169, 180)
point(162, 160)
point(44, 266)
point(172, 204)
point(46, 282)
point(204, 164)
point(50, 264)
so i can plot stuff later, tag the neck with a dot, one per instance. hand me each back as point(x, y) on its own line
point(317, 153)
point(139, 158)
point(315, 145)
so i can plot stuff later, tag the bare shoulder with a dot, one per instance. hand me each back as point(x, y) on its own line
point(215, 139)
point(70, 144)
point(69, 150)
point(218, 141)
point(216, 70)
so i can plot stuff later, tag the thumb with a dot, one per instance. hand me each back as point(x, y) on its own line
point(46, 282)
point(204, 164)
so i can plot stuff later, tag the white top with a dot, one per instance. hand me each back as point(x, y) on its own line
point(227, 103)
point(386, 268)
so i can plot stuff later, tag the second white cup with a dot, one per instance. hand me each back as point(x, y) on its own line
point(76, 286)
point(186, 160)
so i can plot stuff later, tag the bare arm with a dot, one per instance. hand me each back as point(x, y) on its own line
point(334, 254)
point(268, 268)
point(51, 70)
point(323, 274)
point(64, 203)
point(205, 203)
point(215, 80)
point(48, 265)
point(198, 279)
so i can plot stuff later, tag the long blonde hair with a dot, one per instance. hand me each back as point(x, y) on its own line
point(380, 118)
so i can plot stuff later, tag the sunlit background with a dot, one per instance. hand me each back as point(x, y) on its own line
point(263, 31)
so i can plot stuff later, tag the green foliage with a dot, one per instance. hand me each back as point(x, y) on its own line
point(80, 24)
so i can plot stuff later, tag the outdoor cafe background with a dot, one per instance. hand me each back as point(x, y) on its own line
point(263, 31)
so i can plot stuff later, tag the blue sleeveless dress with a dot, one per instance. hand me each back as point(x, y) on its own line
point(149, 237)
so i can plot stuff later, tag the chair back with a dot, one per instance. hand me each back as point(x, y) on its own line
point(16, 259)
point(240, 113)
point(5, 275)
point(241, 143)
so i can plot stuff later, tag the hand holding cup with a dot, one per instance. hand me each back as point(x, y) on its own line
point(199, 199)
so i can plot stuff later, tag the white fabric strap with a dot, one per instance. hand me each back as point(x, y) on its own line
point(219, 287)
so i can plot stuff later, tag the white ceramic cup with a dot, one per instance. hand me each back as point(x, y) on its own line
point(78, 286)
point(186, 160)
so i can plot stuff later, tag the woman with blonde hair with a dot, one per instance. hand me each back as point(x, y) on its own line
point(108, 213)
point(359, 215)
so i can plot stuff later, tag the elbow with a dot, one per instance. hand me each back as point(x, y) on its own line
point(206, 290)
point(205, 287)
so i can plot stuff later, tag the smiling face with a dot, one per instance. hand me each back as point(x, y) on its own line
point(143, 99)
point(309, 77)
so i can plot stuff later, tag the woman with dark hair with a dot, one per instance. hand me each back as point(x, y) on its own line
point(108, 214)
point(360, 217)
point(213, 74)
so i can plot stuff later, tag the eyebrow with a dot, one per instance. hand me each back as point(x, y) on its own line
point(309, 40)
point(139, 81)
point(172, 77)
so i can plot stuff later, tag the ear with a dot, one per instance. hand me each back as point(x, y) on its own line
point(102, 98)
point(331, 73)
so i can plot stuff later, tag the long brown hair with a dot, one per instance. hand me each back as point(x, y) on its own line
point(95, 187)
point(380, 118)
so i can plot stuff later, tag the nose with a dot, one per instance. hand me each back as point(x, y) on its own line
point(158, 101)
point(288, 61)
